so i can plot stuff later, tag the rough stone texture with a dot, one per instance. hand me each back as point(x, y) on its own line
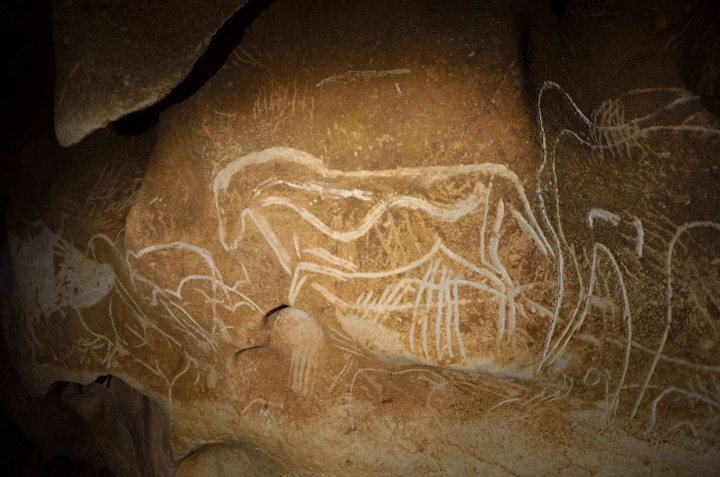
point(114, 57)
point(400, 238)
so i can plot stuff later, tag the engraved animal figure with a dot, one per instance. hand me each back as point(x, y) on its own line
point(610, 266)
point(51, 274)
point(418, 252)
point(297, 335)
point(342, 239)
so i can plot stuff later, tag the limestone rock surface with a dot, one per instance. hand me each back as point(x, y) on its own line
point(397, 238)
point(114, 57)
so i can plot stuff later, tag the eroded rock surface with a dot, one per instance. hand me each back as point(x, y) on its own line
point(400, 238)
point(115, 57)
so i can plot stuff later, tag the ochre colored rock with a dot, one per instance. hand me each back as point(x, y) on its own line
point(398, 238)
point(117, 56)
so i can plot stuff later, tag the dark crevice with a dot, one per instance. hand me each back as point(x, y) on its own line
point(267, 317)
point(104, 380)
point(58, 387)
point(225, 40)
point(137, 122)
point(558, 6)
point(272, 312)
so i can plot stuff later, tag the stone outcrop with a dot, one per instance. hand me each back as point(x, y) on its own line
point(116, 57)
point(396, 238)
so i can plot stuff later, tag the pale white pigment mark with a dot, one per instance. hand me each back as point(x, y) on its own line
point(363, 74)
point(78, 282)
point(349, 362)
point(439, 247)
point(669, 298)
point(297, 245)
point(640, 240)
point(316, 188)
point(440, 309)
point(182, 372)
point(266, 229)
point(416, 307)
point(456, 303)
point(342, 345)
point(604, 303)
point(556, 234)
point(451, 212)
point(330, 258)
point(602, 214)
point(248, 59)
point(627, 318)
point(538, 308)
point(305, 338)
point(685, 98)
point(530, 231)
point(392, 298)
point(690, 426)
point(215, 276)
point(684, 392)
point(222, 295)
point(630, 131)
point(342, 275)
point(264, 410)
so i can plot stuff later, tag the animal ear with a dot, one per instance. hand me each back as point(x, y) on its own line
point(239, 188)
point(574, 175)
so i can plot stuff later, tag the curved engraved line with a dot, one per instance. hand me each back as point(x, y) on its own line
point(578, 304)
point(588, 122)
point(546, 219)
point(628, 325)
point(640, 237)
point(266, 230)
point(216, 278)
point(626, 315)
point(223, 178)
point(602, 214)
point(449, 213)
point(178, 291)
point(330, 258)
point(176, 246)
point(342, 275)
point(684, 392)
point(530, 231)
point(639, 132)
point(313, 187)
point(548, 85)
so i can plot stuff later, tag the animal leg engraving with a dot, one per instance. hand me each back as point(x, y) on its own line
point(669, 298)
point(298, 336)
point(640, 240)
